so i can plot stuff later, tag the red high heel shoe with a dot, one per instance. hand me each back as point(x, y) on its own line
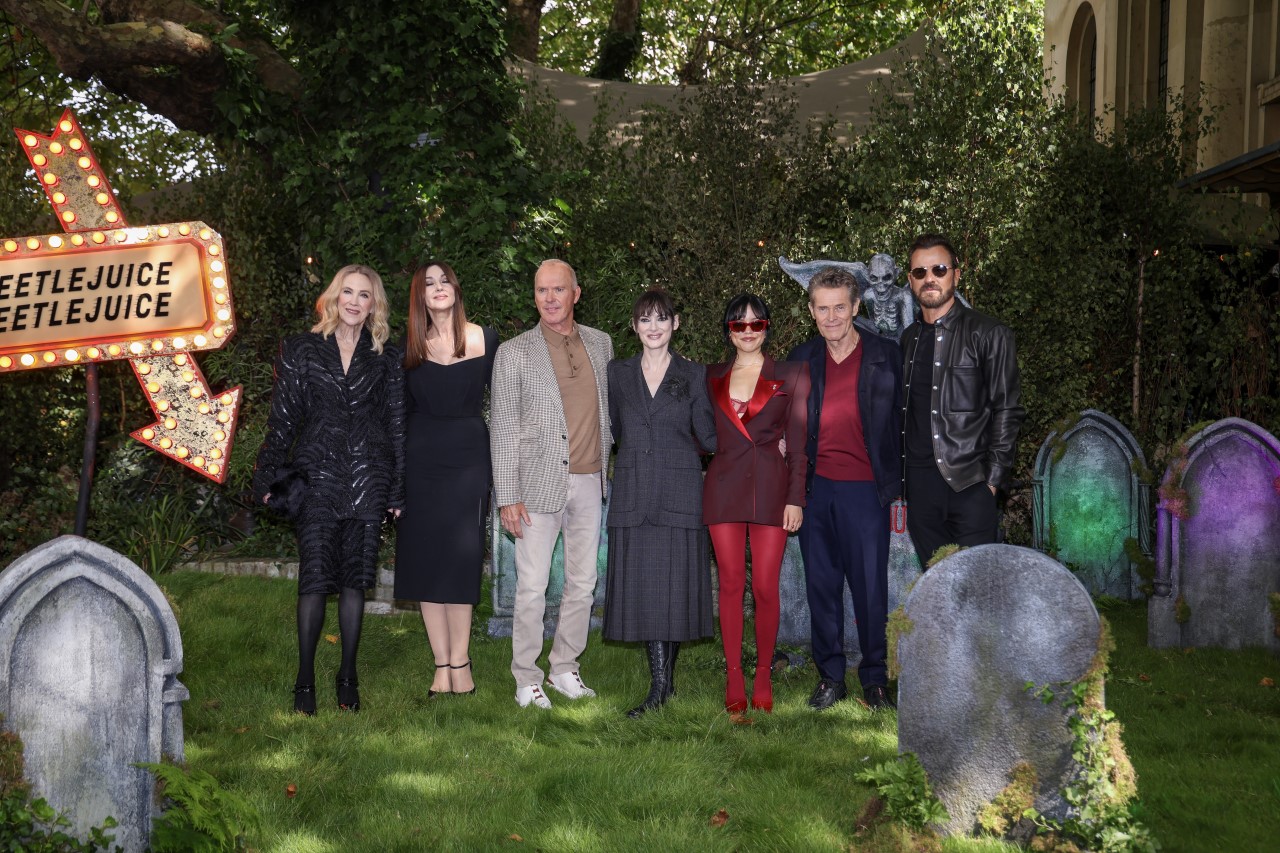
point(762, 690)
point(735, 692)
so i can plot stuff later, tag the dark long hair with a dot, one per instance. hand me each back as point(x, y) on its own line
point(415, 350)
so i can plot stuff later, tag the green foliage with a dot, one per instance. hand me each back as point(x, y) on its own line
point(1103, 816)
point(1000, 815)
point(154, 512)
point(1144, 474)
point(402, 148)
point(1111, 242)
point(1102, 795)
point(1181, 610)
point(1058, 434)
point(898, 625)
point(957, 138)
point(942, 553)
point(29, 824)
point(1044, 692)
point(696, 41)
point(200, 815)
point(39, 504)
point(643, 211)
point(904, 787)
point(1144, 565)
point(1273, 602)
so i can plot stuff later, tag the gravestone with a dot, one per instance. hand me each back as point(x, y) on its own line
point(1087, 499)
point(89, 661)
point(1218, 542)
point(502, 565)
point(982, 623)
point(904, 570)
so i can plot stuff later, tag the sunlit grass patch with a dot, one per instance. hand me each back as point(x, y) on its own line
point(478, 772)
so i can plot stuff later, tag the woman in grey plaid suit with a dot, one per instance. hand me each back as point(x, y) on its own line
point(658, 587)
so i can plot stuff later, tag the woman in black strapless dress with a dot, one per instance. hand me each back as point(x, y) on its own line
point(440, 537)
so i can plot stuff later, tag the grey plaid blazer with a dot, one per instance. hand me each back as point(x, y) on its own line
point(657, 477)
point(528, 436)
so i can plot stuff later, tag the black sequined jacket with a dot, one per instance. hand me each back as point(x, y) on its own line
point(345, 433)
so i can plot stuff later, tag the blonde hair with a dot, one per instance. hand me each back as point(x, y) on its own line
point(327, 306)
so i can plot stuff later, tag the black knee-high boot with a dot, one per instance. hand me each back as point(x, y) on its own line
point(658, 652)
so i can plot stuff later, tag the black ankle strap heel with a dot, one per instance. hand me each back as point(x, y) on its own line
point(348, 694)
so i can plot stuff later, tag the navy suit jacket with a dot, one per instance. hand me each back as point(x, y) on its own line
point(879, 401)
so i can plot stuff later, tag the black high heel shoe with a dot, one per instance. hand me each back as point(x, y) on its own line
point(473, 686)
point(348, 694)
point(304, 699)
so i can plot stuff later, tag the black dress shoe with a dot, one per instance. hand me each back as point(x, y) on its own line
point(878, 698)
point(826, 694)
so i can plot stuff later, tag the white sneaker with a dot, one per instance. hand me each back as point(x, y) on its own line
point(532, 693)
point(570, 684)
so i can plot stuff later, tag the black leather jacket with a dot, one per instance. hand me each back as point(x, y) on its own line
point(975, 406)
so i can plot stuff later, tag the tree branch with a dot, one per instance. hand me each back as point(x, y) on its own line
point(161, 53)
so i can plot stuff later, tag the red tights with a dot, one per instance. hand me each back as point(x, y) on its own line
point(767, 545)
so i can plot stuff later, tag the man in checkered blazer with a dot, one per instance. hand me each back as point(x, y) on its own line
point(549, 439)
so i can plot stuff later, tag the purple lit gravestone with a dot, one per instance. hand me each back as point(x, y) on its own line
point(904, 570)
point(502, 565)
point(89, 661)
point(992, 642)
point(1090, 507)
point(1218, 542)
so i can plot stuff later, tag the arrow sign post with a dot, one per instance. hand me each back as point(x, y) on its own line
point(104, 291)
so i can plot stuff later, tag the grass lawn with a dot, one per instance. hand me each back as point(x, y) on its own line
point(478, 772)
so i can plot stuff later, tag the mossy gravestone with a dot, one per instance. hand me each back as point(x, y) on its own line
point(1088, 500)
point(1218, 542)
point(89, 663)
point(980, 625)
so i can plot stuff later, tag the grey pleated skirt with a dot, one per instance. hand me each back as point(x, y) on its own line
point(658, 586)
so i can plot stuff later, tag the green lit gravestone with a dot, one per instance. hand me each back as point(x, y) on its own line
point(1218, 542)
point(1088, 500)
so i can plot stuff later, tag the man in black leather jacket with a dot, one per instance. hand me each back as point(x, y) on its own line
point(961, 407)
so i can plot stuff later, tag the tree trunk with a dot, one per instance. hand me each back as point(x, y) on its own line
point(620, 47)
point(524, 27)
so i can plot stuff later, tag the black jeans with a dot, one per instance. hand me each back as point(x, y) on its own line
point(937, 515)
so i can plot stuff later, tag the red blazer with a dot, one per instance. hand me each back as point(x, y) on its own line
point(748, 479)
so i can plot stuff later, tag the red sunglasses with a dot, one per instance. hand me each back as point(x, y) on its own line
point(740, 326)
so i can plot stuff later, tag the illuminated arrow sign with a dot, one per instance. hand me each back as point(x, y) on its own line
point(105, 291)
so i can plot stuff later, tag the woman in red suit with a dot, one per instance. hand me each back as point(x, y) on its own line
point(754, 486)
